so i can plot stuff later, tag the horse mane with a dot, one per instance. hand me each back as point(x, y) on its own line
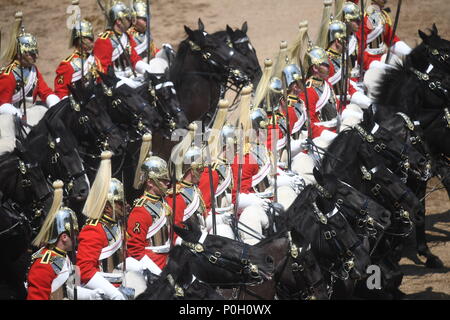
point(177, 66)
point(333, 158)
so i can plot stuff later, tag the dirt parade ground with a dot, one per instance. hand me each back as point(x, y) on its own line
point(269, 22)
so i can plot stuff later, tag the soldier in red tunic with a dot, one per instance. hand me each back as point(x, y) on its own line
point(51, 266)
point(149, 221)
point(102, 235)
point(81, 64)
point(322, 102)
point(139, 32)
point(116, 48)
point(21, 76)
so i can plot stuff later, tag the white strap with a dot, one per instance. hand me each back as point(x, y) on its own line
point(32, 78)
point(375, 33)
point(156, 226)
point(160, 249)
point(86, 67)
point(352, 44)
point(224, 185)
point(323, 100)
point(118, 50)
point(109, 250)
point(336, 77)
point(375, 128)
point(203, 237)
point(430, 67)
point(63, 275)
point(193, 206)
point(262, 173)
point(142, 46)
point(332, 213)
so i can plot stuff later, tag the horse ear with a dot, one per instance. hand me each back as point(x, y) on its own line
point(435, 30)
point(189, 32)
point(244, 27)
point(318, 176)
point(201, 26)
point(229, 30)
point(423, 36)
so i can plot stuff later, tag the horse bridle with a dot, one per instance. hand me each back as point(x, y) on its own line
point(242, 265)
point(344, 251)
point(162, 103)
point(415, 139)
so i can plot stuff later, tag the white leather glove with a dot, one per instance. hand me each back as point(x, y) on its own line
point(129, 82)
point(167, 45)
point(285, 180)
point(248, 199)
point(380, 65)
point(296, 146)
point(147, 263)
point(8, 108)
point(141, 67)
point(401, 48)
point(361, 99)
point(85, 294)
point(328, 135)
point(52, 100)
point(99, 282)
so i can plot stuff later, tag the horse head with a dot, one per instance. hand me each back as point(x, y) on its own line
point(222, 260)
point(436, 48)
point(127, 107)
point(92, 125)
point(239, 40)
point(163, 97)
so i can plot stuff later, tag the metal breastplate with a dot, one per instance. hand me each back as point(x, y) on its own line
point(188, 194)
point(140, 38)
point(337, 67)
point(328, 112)
point(225, 174)
point(262, 156)
point(78, 66)
point(121, 63)
point(158, 210)
point(26, 76)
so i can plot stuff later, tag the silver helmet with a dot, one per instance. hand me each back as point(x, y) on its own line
point(155, 168)
point(81, 29)
point(351, 11)
point(193, 159)
point(115, 191)
point(275, 93)
point(259, 118)
point(63, 219)
point(118, 11)
point(317, 56)
point(139, 10)
point(337, 30)
point(27, 43)
point(228, 134)
point(291, 74)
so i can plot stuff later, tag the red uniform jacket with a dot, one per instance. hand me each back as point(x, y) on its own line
point(249, 169)
point(204, 186)
point(313, 99)
point(42, 274)
point(103, 49)
point(65, 73)
point(8, 84)
point(140, 220)
point(91, 240)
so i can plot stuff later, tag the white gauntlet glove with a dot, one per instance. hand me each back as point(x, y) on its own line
point(52, 100)
point(85, 294)
point(99, 282)
point(141, 67)
point(8, 108)
point(248, 199)
point(400, 48)
point(361, 100)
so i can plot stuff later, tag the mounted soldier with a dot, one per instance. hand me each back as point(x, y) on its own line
point(102, 235)
point(337, 36)
point(115, 47)
point(140, 31)
point(378, 27)
point(81, 65)
point(20, 81)
point(51, 266)
point(322, 102)
point(149, 221)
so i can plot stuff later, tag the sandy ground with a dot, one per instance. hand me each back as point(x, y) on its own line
point(269, 21)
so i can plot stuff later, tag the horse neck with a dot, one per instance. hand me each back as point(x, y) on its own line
point(418, 58)
point(10, 180)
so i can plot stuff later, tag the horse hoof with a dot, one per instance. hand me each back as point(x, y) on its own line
point(434, 262)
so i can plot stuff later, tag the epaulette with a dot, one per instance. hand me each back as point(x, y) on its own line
point(7, 70)
point(92, 222)
point(177, 189)
point(105, 35)
point(387, 17)
point(38, 254)
point(69, 58)
point(311, 82)
point(46, 257)
point(333, 54)
point(139, 202)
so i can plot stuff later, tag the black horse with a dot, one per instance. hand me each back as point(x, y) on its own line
point(238, 39)
point(25, 198)
point(219, 261)
point(176, 281)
